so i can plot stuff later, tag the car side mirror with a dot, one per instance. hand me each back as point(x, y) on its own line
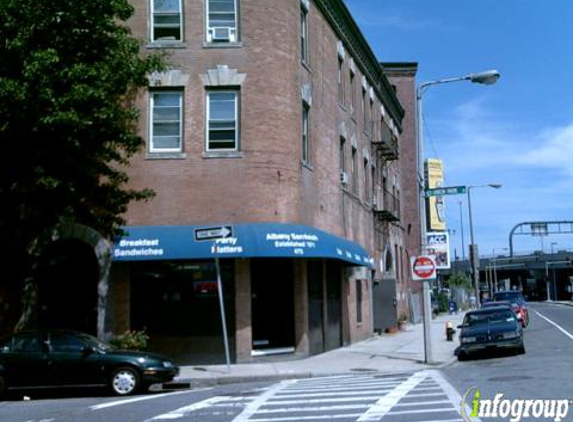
point(88, 350)
point(461, 326)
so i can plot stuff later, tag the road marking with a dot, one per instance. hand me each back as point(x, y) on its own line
point(386, 403)
point(306, 418)
point(567, 333)
point(313, 409)
point(253, 406)
point(453, 395)
point(183, 411)
point(372, 388)
point(329, 394)
point(333, 400)
point(142, 398)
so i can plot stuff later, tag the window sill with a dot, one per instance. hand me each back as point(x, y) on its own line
point(236, 44)
point(307, 166)
point(166, 44)
point(165, 156)
point(223, 154)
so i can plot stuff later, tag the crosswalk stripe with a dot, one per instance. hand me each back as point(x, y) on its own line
point(436, 410)
point(183, 411)
point(422, 403)
point(253, 406)
point(327, 394)
point(385, 404)
point(313, 409)
point(331, 400)
point(341, 388)
point(306, 418)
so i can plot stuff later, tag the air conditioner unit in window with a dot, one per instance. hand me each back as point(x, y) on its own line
point(222, 33)
point(344, 178)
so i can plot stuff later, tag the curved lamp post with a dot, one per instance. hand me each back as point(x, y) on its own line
point(486, 78)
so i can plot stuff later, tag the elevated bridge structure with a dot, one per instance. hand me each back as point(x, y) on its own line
point(539, 275)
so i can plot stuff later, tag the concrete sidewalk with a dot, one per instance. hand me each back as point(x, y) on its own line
point(402, 351)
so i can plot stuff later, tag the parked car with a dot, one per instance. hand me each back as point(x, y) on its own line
point(510, 305)
point(489, 329)
point(65, 358)
point(517, 302)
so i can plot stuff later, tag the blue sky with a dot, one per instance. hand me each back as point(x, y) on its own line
point(518, 132)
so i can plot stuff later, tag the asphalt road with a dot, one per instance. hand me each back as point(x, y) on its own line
point(544, 372)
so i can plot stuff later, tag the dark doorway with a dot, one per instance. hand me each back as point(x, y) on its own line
point(384, 301)
point(272, 289)
point(315, 307)
point(324, 306)
point(67, 287)
point(333, 305)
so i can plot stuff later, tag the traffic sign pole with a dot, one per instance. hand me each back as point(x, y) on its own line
point(424, 269)
point(428, 353)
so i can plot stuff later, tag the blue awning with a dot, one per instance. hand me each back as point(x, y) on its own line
point(144, 243)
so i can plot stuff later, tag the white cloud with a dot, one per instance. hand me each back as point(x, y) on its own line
point(554, 150)
point(472, 139)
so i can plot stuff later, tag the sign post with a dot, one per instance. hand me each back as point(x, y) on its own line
point(223, 319)
point(215, 233)
point(424, 269)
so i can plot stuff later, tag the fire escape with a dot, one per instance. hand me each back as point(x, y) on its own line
point(386, 201)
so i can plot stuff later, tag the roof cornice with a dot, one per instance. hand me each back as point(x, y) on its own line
point(343, 24)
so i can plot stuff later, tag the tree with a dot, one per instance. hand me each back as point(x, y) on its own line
point(70, 72)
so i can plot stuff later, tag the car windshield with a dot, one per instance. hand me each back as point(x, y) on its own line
point(493, 317)
point(94, 342)
point(512, 297)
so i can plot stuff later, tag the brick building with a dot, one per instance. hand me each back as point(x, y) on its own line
point(273, 144)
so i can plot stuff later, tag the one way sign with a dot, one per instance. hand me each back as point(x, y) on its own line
point(212, 233)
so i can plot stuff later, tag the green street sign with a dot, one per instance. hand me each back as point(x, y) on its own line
point(448, 190)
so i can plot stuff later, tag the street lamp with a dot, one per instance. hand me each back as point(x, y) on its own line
point(487, 78)
point(553, 271)
point(474, 254)
point(494, 287)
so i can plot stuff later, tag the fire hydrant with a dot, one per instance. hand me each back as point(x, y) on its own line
point(450, 331)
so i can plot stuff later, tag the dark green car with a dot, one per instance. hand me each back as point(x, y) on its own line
point(490, 329)
point(64, 358)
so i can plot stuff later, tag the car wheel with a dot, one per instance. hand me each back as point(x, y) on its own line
point(520, 350)
point(124, 381)
point(462, 356)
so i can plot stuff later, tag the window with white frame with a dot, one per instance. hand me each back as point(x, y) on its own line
point(222, 118)
point(342, 156)
point(352, 93)
point(305, 134)
point(354, 170)
point(166, 121)
point(304, 34)
point(222, 21)
point(166, 20)
point(367, 184)
point(341, 85)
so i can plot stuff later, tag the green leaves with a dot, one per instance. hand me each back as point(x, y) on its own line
point(69, 75)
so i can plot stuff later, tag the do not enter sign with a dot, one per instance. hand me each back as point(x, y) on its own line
point(423, 267)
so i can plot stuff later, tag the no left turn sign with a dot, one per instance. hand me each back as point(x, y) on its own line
point(423, 267)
